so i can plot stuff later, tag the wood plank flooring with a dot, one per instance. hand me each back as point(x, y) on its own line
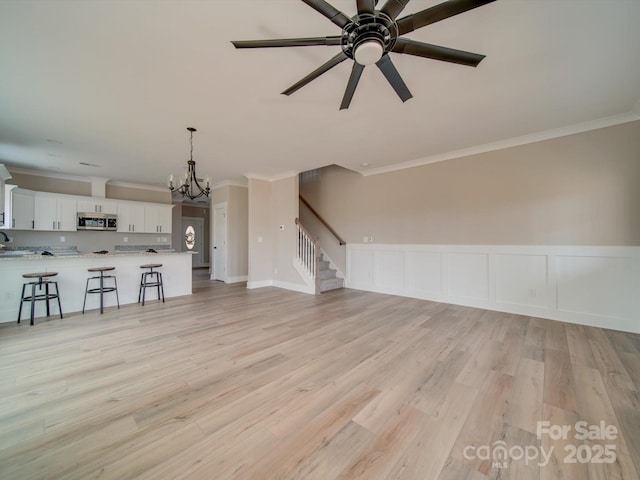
point(231, 383)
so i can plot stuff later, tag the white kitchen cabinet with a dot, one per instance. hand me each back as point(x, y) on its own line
point(157, 218)
point(130, 218)
point(4, 217)
point(55, 213)
point(97, 205)
point(20, 209)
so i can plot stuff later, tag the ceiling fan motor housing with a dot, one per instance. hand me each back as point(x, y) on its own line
point(368, 37)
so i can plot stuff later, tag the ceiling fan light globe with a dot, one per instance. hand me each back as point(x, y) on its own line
point(368, 53)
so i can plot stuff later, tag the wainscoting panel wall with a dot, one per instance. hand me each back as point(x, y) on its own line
point(597, 286)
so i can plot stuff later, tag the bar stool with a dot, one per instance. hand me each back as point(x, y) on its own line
point(46, 296)
point(101, 289)
point(150, 279)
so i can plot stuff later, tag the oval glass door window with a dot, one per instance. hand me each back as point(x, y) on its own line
point(190, 237)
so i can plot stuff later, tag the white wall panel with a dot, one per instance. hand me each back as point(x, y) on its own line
point(521, 280)
point(424, 273)
point(468, 275)
point(597, 286)
point(390, 269)
point(360, 264)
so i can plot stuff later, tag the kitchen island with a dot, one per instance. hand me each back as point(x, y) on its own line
point(73, 274)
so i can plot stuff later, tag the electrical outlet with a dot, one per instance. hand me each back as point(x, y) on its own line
point(125, 239)
point(63, 239)
point(365, 239)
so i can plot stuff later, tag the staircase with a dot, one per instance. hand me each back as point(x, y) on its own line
point(327, 276)
point(313, 264)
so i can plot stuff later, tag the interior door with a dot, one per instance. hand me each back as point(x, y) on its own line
point(219, 270)
point(193, 240)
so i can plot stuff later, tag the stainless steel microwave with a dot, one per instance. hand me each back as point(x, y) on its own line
point(97, 221)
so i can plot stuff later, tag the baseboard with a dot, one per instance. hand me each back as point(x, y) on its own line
point(242, 278)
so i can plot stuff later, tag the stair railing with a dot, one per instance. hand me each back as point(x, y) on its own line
point(308, 253)
point(324, 222)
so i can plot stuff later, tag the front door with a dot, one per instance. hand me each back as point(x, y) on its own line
point(192, 241)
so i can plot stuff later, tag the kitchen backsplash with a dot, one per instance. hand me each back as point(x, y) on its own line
point(86, 241)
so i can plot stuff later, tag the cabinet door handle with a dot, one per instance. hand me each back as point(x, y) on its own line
point(13, 223)
point(54, 224)
point(58, 225)
point(33, 224)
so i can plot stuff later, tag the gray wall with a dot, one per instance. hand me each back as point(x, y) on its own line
point(582, 189)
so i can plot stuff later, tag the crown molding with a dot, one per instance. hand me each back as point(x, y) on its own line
point(230, 183)
point(272, 178)
point(138, 186)
point(611, 121)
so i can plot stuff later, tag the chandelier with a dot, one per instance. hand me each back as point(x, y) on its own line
point(188, 186)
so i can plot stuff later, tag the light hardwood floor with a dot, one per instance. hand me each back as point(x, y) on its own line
point(270, 384)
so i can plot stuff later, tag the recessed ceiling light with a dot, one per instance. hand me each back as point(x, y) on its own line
point(364, 164)
point(89, 164)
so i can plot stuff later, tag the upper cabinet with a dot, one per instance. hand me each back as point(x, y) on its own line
point(4, 175)
point(157, 218)
point(19, 209)
point(55, 212)
point(29, 210)
point(97, 205)
point(130, 217)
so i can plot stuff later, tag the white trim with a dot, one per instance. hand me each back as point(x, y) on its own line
point(4, 173)
point(511, 142)
point(260, 284)
point(588, 285)
point(229, 183)
point(272, 178)
point(242, 278)
point(296, 287)
point(310, 282)
point(85, 178)
point(138, 186)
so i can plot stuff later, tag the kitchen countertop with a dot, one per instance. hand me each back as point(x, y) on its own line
point(8, 256)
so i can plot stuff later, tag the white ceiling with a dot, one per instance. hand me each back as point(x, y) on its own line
point(115, 84)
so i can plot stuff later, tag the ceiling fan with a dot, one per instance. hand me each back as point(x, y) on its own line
point(370, 36)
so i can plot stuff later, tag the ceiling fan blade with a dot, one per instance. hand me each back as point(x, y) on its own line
point(329, 11)
point(436, 52)
point(366, 6)
point(387, 67)
point(287, 42)
point(393, 8)
point(341, 57)
point(356, 71)
point(435, 14)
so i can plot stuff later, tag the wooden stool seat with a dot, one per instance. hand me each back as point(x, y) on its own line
point(46, 296)
point(40, 275)
point(101, 289)
point(150, 279)
point(100, 269)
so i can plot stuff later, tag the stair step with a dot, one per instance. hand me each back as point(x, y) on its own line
point(331, 284)
point(326, 273)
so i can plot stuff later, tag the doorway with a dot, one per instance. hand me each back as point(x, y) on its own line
point(193, 239)
point(219, 257)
